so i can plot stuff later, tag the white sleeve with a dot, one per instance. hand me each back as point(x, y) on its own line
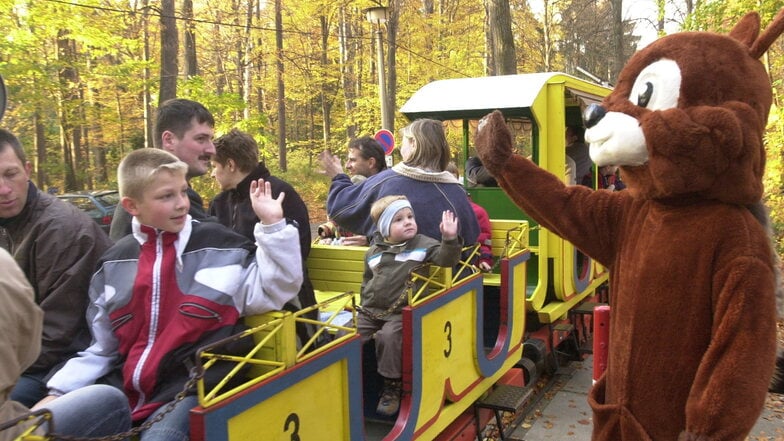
point(276, 275)
point(95, 361)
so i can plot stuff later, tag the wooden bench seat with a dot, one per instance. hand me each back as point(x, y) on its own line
point(336, 269)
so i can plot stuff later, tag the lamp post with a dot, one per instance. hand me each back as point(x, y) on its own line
point(378, 16)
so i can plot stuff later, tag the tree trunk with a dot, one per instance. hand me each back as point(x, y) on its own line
point(95, 138)
point(348, 53)
point(82, 143)
point(325, 92)
point(68, 78)
point(191, 66)
point(121, 126)
point(169, 53)
point(40, 148)
point(489, 46)
point(247, 62)
point(499, 21)
point(281, 87)
point(147, 98)
point(220, 69)
point(616, 41)
point(547, 31)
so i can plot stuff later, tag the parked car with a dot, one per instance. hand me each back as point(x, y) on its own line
point(99, 205)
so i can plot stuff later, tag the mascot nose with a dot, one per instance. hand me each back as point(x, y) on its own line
point(593, 114)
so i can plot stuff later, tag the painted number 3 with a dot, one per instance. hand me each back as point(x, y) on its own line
point(448, 332)
point(293, 419)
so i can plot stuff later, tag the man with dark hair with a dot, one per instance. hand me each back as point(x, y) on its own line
point(577, 149)
point(57, 246)
point(365, 157)
point(477, 175)
point(235, 165)
point(184, 128)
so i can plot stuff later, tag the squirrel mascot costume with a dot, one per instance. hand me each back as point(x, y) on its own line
point(693, 276)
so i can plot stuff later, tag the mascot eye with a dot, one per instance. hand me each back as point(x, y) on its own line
point(645, 96)
point(657, 86)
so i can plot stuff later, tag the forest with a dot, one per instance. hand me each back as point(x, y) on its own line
point(84, 77)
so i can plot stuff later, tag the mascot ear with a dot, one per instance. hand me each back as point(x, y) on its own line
point(747, 29)
point(760, 45)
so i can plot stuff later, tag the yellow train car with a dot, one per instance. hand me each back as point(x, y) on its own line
point(289, 389)
point(301, 393)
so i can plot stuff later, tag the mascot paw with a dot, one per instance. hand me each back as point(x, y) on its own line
point(493, 142)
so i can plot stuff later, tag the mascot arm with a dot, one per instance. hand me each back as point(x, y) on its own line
point(586, 218)
point(731, 382)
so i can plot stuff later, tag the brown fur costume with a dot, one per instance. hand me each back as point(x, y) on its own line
point(693, 324)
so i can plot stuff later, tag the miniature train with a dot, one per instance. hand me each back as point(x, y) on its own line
point(453, 359)
point(450, 365)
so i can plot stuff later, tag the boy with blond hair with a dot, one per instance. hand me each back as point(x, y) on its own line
point(396, 250)
point(173, 283)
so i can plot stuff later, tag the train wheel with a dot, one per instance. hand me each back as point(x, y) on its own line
point(530, 373)
point(535, 352)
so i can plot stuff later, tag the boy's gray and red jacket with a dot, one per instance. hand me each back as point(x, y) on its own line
point(153, 318)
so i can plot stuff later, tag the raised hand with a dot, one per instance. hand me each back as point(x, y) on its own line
point(330, 164)
point(267, 209)
point(448, 225)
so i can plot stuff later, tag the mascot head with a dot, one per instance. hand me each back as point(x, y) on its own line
point(686, 119)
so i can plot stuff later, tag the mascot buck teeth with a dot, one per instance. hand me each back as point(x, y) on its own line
point(693, 276)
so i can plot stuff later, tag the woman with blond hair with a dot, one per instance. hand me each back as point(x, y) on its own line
point(421, 177)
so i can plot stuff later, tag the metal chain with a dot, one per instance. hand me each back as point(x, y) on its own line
point(196, 374)
point(403, 296)
point(507, 244)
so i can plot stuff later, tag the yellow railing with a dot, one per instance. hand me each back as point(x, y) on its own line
point(275, 347)
point(428, 280)
point(31, 426)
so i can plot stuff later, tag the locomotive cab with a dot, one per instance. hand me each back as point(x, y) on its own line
point(538, 108)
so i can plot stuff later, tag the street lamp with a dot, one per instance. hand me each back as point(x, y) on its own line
point(378, 16)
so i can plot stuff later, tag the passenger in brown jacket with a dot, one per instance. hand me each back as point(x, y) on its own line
point(57, 246)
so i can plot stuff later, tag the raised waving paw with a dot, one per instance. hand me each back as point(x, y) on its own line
point(493, 142)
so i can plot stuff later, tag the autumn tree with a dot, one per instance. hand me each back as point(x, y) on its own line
point(169, 52)
point(189, 34)
point(586, 28)
point(499, 40)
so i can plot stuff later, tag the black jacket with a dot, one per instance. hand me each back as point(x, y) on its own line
point(233, 209)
